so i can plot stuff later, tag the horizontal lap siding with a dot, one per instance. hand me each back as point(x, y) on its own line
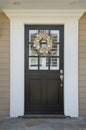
point(4, 66)
point(82, 66)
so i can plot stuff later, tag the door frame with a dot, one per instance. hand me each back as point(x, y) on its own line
point(18, 18)
point(61, 28)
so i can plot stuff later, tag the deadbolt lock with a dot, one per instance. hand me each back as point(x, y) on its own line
point(61, 71)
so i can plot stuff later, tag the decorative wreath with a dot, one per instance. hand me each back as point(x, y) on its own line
point(43, 43)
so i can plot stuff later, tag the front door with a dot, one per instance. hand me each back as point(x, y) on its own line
point(44, 73)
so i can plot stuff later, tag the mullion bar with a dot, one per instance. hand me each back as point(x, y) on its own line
point(54, 42)
point(49, 62)
point(49, 31)
point(38, 62)
point(45, 56)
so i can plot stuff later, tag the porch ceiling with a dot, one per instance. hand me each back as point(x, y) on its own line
point(43, 4)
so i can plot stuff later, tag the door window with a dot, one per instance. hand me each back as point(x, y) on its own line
point(50, 62)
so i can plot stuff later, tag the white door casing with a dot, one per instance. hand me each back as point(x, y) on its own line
point(18, 18)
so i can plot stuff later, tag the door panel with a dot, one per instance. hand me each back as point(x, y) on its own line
point(52, 92)
point(43, 86)
point(35, 91)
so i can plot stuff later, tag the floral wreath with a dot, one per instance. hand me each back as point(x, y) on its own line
point(43, 49)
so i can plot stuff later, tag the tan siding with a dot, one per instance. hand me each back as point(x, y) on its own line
point(5, 101)
point(4, 66)
point(82, 83)
point(82, 66)
point(4, 89)
point(82, 26)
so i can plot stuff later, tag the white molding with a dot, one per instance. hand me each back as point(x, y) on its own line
point(16, 69)
point(35, 13)
point(71, 69)
point(70, 21)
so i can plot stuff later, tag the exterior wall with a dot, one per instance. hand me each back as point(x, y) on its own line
point(18, 18)
point(17, 32)
point(82, 66)
point(4, 66)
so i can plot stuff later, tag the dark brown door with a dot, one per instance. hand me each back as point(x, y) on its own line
point(43, 83)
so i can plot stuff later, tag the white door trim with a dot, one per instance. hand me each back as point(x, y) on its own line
point(18, 18)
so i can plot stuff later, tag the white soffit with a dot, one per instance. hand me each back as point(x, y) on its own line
point(43, 4)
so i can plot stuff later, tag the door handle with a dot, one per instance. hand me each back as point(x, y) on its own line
point(61, 77)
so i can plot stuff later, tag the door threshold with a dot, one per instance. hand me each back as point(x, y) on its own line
point(44, 116)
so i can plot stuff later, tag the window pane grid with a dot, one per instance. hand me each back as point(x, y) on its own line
point(37, 62)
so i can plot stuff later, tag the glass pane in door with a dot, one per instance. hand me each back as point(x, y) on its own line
point(54, 63)
point(32, 35)
point(33, 63)
point(55, 34)
point(32, 52)
point(43, 63)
